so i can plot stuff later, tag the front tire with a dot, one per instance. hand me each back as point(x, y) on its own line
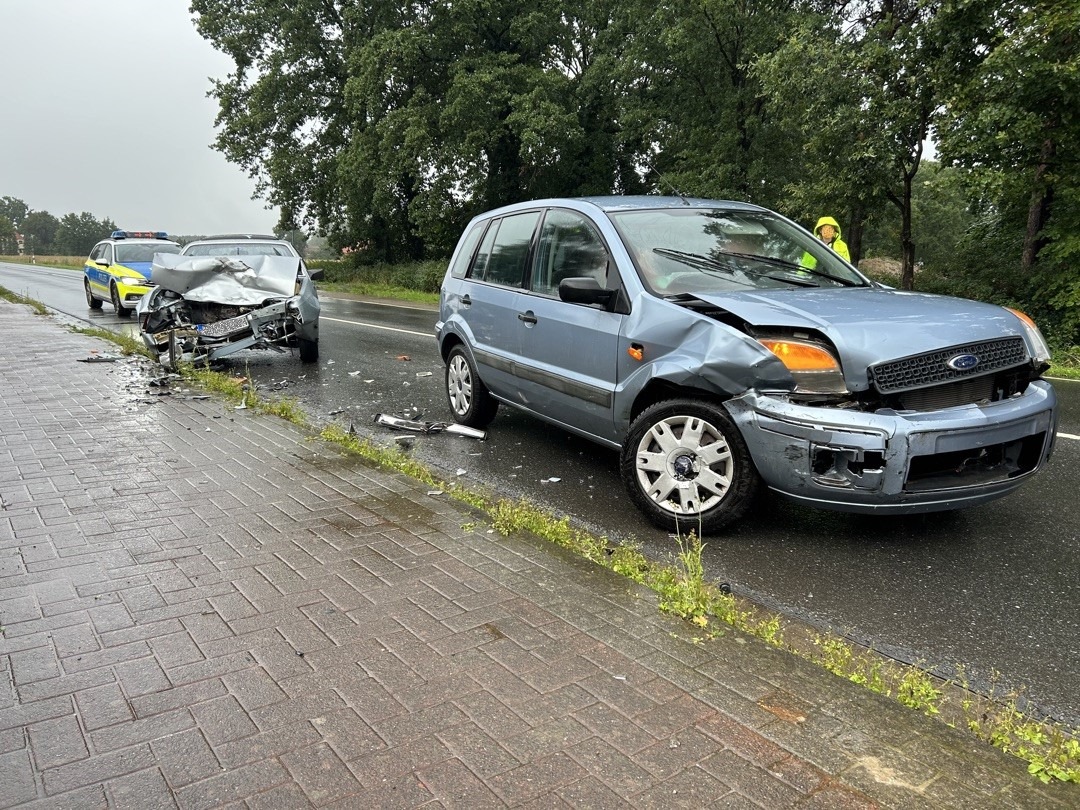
point(469, 399)
point(686, 466)
point(91, 302)
point(121, 310)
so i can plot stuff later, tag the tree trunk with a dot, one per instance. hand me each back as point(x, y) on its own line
point(1039, 208)
point(907, 244)
point(854, 232)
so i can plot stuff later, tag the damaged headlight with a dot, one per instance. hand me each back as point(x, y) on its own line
point(1035, 337)
point(815, 369)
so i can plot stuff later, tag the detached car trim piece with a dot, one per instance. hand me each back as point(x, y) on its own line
point(719, 346)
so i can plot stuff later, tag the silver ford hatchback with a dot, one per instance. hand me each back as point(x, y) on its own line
point(720, 345)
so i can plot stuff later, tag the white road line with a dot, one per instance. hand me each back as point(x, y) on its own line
point(381, 326)
point(1068, 436)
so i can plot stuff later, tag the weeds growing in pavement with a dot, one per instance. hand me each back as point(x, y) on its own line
point(15, 298)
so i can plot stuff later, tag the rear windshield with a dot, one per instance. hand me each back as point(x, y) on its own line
point(238, 249)
point(143, 251)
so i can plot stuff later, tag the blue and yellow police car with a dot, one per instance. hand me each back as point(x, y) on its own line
point(118, 268)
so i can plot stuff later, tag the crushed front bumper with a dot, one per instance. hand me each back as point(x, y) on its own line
point(892, 462)
point(262, 328)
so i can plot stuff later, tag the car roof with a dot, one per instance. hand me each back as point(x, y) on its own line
point(237, 237)
point(612, 203)
point(643, 201)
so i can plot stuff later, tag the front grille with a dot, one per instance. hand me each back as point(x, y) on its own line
point(928, 369)
point(949, 395)
point(224, 328)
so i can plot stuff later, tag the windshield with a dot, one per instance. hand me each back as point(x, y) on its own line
point(238, 249)
point(693, 250)
point(143, 251)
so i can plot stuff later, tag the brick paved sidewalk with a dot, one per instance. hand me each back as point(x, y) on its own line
point(204, 607)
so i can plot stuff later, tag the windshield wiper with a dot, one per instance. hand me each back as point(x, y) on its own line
point(695, 260)
point(796, 268)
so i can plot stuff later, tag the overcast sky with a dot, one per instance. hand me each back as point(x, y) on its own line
point(103, 109)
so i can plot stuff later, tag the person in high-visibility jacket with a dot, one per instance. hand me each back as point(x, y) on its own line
point(828, 231)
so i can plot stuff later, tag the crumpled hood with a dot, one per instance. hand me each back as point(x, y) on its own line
point(871, 325)
point(239, 281)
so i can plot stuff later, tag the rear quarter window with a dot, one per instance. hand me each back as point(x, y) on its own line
point(465, 252)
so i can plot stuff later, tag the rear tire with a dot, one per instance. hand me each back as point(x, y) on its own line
point(686, 466)
point(114, 293)
point(93, 303)
point(469, 399)
point(309, 350)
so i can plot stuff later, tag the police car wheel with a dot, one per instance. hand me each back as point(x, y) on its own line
point(91, 302)
point(121, 310)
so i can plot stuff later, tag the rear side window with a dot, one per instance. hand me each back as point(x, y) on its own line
point(464, 255)
point(502, 254)
point(569, 247)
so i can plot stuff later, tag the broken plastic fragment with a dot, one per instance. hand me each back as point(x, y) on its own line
point(100, 358)
point(428, 427)
point(435, 492)
point(552, 480)
point(404, 357)
point(461, 471)
point(339, 410)
point(423, 374)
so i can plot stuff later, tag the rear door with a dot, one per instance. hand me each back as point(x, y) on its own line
point(489, 301)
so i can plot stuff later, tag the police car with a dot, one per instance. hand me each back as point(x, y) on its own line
point(118, 268)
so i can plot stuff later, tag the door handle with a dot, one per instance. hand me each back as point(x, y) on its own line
point(466, 301)
point(527, 318)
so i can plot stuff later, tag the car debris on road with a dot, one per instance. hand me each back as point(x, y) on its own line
point(428, 427)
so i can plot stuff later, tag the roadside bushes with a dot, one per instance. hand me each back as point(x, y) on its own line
point(425, 276)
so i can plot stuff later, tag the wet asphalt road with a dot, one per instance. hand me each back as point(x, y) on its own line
point(994, 589)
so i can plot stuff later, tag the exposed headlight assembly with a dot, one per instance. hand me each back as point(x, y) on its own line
point(1035, 337)
point(814, 368)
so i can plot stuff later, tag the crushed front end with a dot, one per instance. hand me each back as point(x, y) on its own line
point(205, 309)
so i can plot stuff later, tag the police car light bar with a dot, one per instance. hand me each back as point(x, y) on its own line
point(139, 235)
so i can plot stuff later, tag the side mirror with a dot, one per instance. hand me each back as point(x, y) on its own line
point(584, 290)
point(316, 274)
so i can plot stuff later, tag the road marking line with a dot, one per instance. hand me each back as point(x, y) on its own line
point(1068, 436)
point(380, 326)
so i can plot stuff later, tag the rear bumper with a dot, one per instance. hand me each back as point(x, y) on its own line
point(898, 462)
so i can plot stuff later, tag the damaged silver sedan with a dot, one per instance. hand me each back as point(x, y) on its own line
point(720, 346)
point(206, 307)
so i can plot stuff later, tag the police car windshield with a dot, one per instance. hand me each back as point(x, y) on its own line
point(143, 251)
point(238, 249)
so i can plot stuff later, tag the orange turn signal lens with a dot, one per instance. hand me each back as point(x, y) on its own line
point(798, 356)
point(636, 352)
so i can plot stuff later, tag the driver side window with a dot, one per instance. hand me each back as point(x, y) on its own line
point(569, 247)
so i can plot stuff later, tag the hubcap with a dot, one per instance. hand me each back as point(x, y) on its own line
point(459, 385)
point(684, 465)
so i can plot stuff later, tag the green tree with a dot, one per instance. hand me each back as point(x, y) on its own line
point(39, 231)
point(78, 233)
point(1012, 121)
point(943, 212)
point(861, 81)
point(13, 210)
point(8, 238)
point(693, 102)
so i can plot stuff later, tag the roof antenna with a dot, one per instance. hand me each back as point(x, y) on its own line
point(668, 183)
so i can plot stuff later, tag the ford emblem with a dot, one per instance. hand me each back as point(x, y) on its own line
point(962, 362)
